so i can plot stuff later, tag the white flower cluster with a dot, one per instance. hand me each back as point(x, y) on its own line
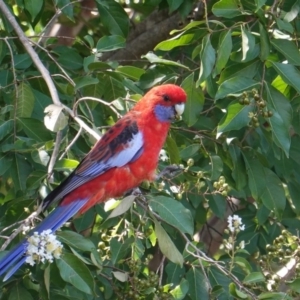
point(235, 223)
point(43, 247)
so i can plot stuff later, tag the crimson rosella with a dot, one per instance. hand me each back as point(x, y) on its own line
point(126, 155)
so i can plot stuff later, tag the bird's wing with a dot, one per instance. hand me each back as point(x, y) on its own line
point(120, 145)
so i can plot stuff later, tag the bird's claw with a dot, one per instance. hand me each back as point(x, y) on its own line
point(169, 171)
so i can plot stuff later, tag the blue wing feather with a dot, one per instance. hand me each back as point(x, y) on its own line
point(14, 259)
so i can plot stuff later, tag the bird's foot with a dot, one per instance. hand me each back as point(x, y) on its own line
point(169, 171)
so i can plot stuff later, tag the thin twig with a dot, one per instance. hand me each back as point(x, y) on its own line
point(109, 104)
point(55, 153)
point(20, 228)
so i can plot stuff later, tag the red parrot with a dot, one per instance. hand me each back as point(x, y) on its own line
point(126, 155)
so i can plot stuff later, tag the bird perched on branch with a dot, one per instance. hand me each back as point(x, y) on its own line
point(126, 155)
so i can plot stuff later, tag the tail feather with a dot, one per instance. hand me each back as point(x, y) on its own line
point(15, 258)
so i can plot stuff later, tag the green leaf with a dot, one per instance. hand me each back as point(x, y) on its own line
point(174, 42)
point(216, 167)
point(74, 271)
point(173, 212)
point(207, 58)
point(123, 206)
point(35, 129)
point(156, 60)
point(264, 42)
point(236, 293)
point(174, 4)
point(180, 291)
point(243, 264)
point(217, 204)
point(294, 191)
point(294, 285)
point(19, 172)
point(113, 17)
point(166, 245)
point(255, 170)
point(113, 88)
point(24, 100)
point(33, 7)
point(195, 100)
point(248, 44)
point(289, 73)
point(84, 81)
point(131, 72)
point(189, 151)
point(172, 150)
point(119, 250)
point(281, 120)
point(246, 70)
point(6, 128)
point(223, 51)
point(236, 118)
point(254, 277)
point(110, 43)
point(5, 162)
point(293, 13)
point(22, 61)
point(273, 196)
point(65, 163)
point(198, 285)
point(69, 57)
point(67, 8)
point(288, 49)
point(76, 240)
point(235, 85)
point(226, 8)
point(19, 293)
point(238, 169)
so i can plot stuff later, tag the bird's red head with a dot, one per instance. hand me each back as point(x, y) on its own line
point(166, 101)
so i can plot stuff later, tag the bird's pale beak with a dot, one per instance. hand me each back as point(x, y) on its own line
point(179, 108)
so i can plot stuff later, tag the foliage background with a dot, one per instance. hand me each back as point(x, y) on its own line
point(238, 143)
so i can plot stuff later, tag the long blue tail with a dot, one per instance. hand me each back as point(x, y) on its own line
point(15, 258)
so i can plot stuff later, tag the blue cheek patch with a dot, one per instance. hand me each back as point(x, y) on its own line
point(164, 113)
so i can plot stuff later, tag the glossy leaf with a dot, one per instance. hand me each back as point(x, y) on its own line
point(173, 212)
point(35, 129)
point(280, 122)
point(235, 85)
point(237, 117)
point(166, 245)
point(288, 49)
point(248, 44)
point(123, 206)
point(110, 43)
point(289, 73)
point(24, 101)
point(207, 58)
point(198, 285)
point(74, 239)
point(223, 51)
point(170, 44)
point(74, 271)
point(113, 16)
point(264, 43)
point(155, 59)
point(254, 277)
point(273, 196)
point(33, 7)
point(195, 100)
point(226, 9)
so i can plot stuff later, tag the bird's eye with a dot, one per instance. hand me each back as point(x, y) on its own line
point(166, 98)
